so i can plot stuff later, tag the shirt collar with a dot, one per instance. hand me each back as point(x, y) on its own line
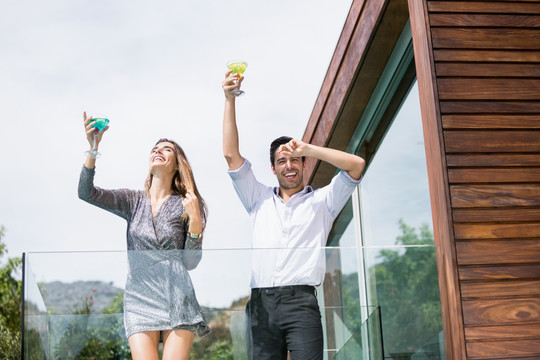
point(306, 190)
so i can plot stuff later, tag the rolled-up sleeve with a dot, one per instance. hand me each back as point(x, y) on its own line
point(339, 191)
point(246, 185)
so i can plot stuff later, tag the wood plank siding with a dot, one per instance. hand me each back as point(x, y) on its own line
point(477, 65)
point(481, 72)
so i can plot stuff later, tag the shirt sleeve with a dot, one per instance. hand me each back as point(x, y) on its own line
point(246, 185)
point(120, 202)
point(338, 192)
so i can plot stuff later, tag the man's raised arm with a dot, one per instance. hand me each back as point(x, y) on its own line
point(231, 149)
point(352, 164)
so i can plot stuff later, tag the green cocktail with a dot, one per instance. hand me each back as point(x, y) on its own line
point(237, 67)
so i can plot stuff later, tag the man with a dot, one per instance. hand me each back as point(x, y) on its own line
point(291, 222)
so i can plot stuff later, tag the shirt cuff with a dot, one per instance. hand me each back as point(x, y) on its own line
point(348, 179)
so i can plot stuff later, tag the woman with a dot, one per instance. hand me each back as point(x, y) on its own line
point(170, 215)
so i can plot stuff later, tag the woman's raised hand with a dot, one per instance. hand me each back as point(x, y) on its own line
point(90, 131)
point(193, 211)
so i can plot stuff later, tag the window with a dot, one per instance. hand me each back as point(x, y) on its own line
point(389, 217)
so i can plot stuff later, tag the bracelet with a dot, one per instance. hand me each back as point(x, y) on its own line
point(193, 236)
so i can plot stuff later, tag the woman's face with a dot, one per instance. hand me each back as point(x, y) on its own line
point(163, 158)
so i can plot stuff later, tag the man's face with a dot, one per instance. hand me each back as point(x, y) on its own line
point(289, 171)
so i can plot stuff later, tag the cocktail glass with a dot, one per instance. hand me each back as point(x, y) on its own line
point(237, 67)
point(101, 123)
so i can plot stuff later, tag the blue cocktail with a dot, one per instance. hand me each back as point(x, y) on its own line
point(100, 124)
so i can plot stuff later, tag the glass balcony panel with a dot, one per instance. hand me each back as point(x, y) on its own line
point(35, 339)
point(404, 285)
point(74, 308)
point(366, 341)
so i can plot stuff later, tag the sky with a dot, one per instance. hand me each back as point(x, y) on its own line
point(155, 70)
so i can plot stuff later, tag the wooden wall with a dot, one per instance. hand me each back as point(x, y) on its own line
point(478, 68)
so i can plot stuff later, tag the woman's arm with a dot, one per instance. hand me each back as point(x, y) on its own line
point(120, 202)
point(194, 236)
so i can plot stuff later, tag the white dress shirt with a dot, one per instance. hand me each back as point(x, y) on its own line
point(289, 237)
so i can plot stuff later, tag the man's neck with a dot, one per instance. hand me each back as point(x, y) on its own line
point(287, 194)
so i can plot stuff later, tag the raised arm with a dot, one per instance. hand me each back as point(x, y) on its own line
point(352, 164)
point(231, 149)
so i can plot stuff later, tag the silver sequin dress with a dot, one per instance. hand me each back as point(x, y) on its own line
point(159, 294)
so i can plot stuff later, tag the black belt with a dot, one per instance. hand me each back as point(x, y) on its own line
point(287, 289)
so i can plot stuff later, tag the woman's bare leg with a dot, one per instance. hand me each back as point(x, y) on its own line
point(177, 344)
point(144, 345)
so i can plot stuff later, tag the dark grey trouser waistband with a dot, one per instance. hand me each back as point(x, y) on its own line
point(286, 289)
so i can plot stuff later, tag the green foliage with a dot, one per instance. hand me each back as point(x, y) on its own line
point(88, 335)
point(86, 305)
point(408, 293)
point(10, 343)
point(34, 349)
point(215, 346)
point(351, 302)
point(117, 305)
point(94, 336)
point(10, 305)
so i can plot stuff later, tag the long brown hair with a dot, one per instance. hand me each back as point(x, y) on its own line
point(183, 179)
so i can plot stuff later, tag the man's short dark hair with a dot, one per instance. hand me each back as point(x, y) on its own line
point(275, 145)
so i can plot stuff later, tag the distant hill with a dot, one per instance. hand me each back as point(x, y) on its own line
point(63, 297)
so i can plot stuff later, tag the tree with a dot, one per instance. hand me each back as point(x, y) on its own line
point(10, 305)
point(94, 336)
point(408, 292)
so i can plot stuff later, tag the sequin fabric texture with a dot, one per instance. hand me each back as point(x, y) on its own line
point(159, 294)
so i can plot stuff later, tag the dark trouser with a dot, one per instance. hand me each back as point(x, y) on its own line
point(285, 318)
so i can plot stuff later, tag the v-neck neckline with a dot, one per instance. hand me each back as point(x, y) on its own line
point(155, 219)
point(159, 210)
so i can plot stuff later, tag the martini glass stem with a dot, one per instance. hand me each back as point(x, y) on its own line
point(94, 146)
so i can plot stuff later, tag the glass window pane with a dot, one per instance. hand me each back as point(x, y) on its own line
point(401, 277)
point(395, 184)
